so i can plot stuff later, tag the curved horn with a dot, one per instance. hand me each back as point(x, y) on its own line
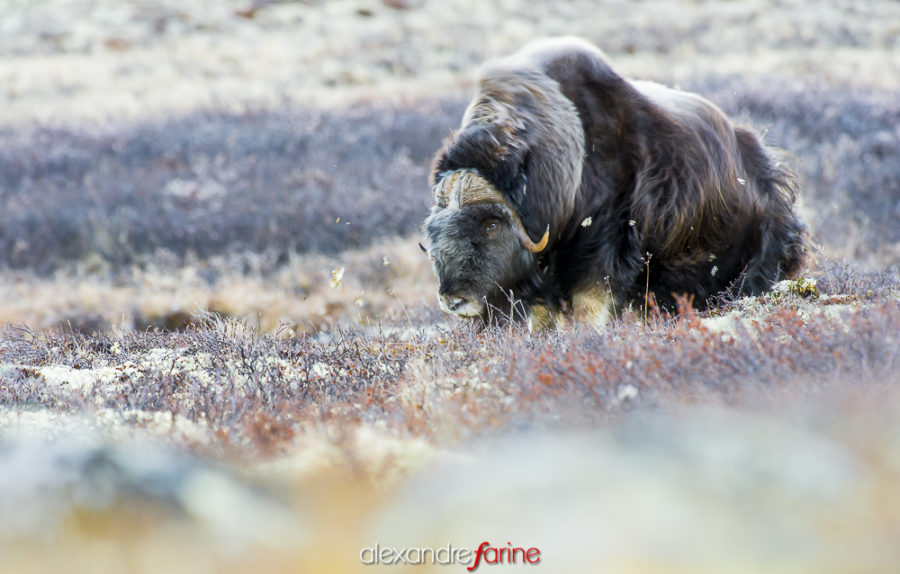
point(525, 240)
point(535, 247)
point(465, 187)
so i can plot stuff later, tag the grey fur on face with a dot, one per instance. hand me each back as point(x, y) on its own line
point(476, 254)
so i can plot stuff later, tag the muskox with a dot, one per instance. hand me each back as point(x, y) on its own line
point(572, 192)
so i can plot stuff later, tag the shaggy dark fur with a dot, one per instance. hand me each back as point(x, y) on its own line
point(663, 176)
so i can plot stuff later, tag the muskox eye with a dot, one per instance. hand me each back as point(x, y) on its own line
point(491, 226)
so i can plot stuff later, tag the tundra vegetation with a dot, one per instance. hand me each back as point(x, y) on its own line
point(221, 348)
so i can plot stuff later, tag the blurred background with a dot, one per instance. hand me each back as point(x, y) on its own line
point(223, 350)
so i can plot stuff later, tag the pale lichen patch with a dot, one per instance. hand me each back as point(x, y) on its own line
point(72, 378)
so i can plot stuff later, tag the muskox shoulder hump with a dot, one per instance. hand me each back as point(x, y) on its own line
point(569, 60)
point(546, 50)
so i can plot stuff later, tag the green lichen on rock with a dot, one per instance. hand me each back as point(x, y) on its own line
point(803, 287)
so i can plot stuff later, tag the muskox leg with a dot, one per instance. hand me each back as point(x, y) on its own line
point(592, 306)
point(541, 318)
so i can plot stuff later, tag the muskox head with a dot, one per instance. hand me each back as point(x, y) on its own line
point(477, 243)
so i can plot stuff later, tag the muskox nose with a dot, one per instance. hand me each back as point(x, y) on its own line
point(452, 302)
point(464, 305)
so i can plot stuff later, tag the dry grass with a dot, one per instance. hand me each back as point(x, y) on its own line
point(255, 392)
point(317, 438)
point(386, 285)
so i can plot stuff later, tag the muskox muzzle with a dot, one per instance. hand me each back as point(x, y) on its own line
point(464, 306)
